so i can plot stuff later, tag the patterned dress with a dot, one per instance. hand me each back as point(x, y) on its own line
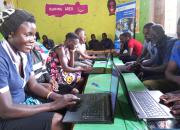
point(54, 67)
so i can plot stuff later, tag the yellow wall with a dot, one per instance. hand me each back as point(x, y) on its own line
point(97, 20)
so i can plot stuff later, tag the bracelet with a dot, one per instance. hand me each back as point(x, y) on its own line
point(48, 95)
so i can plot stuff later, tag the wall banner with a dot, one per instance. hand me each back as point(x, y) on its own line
point(61, 10)
point(125, 19)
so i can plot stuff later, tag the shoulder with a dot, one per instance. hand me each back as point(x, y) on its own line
point(171, 40)
point(177, 43)
point(131, 41)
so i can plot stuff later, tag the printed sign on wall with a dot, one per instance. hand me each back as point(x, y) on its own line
point(69, 9)
point(125, 20)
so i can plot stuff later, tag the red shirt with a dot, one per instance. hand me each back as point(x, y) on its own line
point(136, 45)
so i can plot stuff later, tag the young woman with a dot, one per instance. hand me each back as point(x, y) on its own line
point(60, 65)
point(18, 28)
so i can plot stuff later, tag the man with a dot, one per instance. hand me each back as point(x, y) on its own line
point(94, 44)
point(106, 42)
point(155, 73)
point(149, 52)
point(172, 74)
point(81, 58)
point(133, 46)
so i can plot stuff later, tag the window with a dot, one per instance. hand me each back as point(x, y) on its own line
point(166, 13)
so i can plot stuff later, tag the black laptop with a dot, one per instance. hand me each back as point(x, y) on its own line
point(95, 107)
point(146, 103)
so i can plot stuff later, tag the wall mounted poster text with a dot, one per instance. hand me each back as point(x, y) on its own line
point(61, 10)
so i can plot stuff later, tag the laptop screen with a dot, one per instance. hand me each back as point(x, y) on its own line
point(114, 88)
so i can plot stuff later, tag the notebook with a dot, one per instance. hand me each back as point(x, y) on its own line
point(102, 57)
point(95, 107)
point(146, 103)
point(98, 67)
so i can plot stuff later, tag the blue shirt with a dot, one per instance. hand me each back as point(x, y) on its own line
point(152, 50)
point(10, 79)
point(164, 50)
point(175, 54)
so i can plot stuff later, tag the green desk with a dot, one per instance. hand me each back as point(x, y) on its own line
point(125, 118)
point(103, 66)
point(103, 81)
point(117, 61)
point(130, 119)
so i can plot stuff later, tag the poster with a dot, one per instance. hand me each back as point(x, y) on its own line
point(65, 9)
point(125, 20)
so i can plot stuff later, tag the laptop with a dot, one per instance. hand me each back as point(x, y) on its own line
point(146, 103)
point(99, 67)
point(102, 57)
point(95, 107)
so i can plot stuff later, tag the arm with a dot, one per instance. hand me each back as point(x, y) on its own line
point(144, 53)
point(129, 53)
point(155, 69)
point(71, 62)
point(130, 50)
point(171, 72)
point(85, 56)
point(10, 110)
point(64, 61)
point(39, 90)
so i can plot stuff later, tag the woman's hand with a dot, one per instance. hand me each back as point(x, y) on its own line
point(54, 85)
point(72, 51)
point(87, 69)
point(64, 101)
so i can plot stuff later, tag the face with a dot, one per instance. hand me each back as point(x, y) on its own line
point(93, 37)
point(24, 38)
point(178, 31)
point(155, 37)
point(122, 39)
point(44, 38)
point(82, 36)
point(112, 7)
point(104, 36)
point(147, 34)
point(73, 44)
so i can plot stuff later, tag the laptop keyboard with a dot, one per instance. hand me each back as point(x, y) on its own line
point(97, 110)
point(149, 105)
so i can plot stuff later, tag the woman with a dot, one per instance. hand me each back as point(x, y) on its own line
point(18, 28)
point(60, 65)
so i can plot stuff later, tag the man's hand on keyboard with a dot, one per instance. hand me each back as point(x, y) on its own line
point(169, 99)
point(175, 109)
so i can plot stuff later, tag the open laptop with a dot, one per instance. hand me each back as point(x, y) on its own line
point(95, 107)
point(102, 57)
point(146, 103)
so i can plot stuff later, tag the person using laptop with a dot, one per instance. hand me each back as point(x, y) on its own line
point(154, 77)
point(133, 46)
point(18, 29)
point(149, 51)
point(60, 64)
point(173, 75)
point(81, 58)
